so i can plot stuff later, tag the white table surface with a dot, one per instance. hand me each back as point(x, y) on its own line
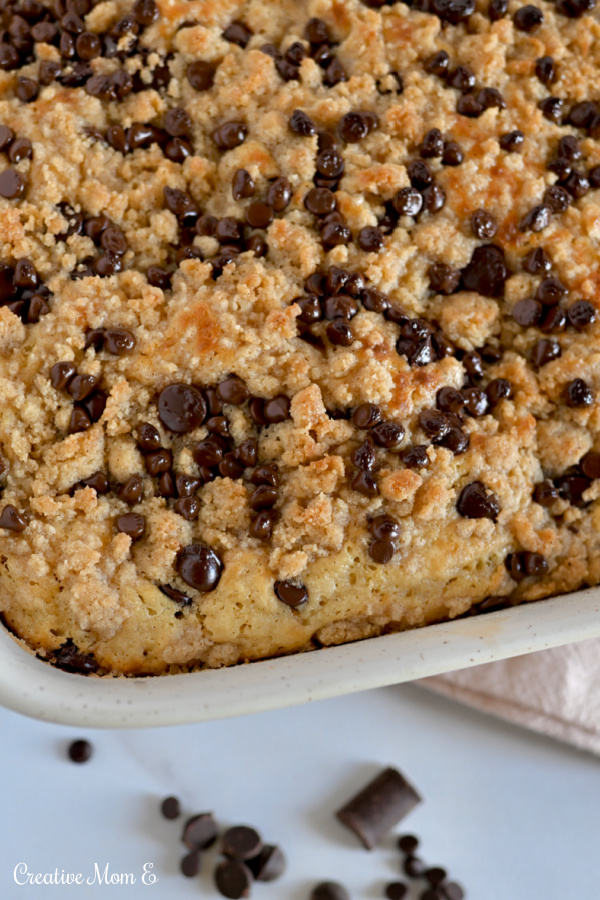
point(512, 815)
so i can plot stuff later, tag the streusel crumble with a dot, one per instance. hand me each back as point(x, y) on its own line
point(299, 334)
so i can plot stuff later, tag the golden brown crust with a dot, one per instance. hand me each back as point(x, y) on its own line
point(70, 574)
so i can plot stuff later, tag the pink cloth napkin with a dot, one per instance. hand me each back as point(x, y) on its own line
point(553, 691)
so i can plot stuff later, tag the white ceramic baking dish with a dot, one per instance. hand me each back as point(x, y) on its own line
point(36, 689)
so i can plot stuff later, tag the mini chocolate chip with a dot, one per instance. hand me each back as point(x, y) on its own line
point(483, 224)
point(238, 33)
point(263, 497)
point(279, 194)
point(442, 346)
point(366, 415)
point(420, 174)
point(438, 64)
point(581, 314)
point(291, 594)
point(497, 9)
point(79, 421)
point(594, 177)
point(561, 167)
point(310, 309)
point(491, 97)
point(553, 321)
point(590, 465)
point(468, 105)
point(544, 351)
point(265, 475)
point(569, 148)
point(330, 163)
point(536, 262)
point(81, 386)
point(527, 313)
point(98, 481)
point(80, 751)
point(262, 526)
point(320, 201)
point(364, 457)
point(462, 78)
point(512, 141)
point(200, 75)
point(552, 109)
point(475, 502)
point(545, 70)
point(12, 184)
point(148, 438)
point(499, 389)
point(259, 215)
point(545, 493)
point(95, 405)
point(408, 202)
point(231, 467)
point(61, 373)
point(233, 879)
point(340, 333)
point(44, 33)
point(415, 457)
point(432, 144)
point(158, 461)
point(370, 239)
point(572, 488)
point(7, 136)
point(27, 89)
point(166, 485)
point(187, 507)
point(550, 291)
point(557, 198)
point(414, 867)
point(578, 393)
point(582, 114)
point(232, 390)
point(340, 306)
point(190, 864)
point(528, 18)
point(131, 491)
point(132, 524)
point(434, 198)
point(300, 123)
point(12, 520)
point(365, 484)
point(208, 453)
point(200, 567)
point(247, 453)
point(334, 73)
point(576, 184)
point(353, 127)
point(276, 409)
point(384, 528)
point(177, 122)
point(288, 69)
point(118, 341)
point(372, 299)
point(181, 407)
point(453, 154)
point(230, 135)
point(317, 31)
point(536, 219)
point(381, 551)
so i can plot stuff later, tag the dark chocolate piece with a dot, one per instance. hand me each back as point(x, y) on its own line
point(379, 806)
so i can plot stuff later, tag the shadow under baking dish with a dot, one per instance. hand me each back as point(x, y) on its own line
point(37, 689)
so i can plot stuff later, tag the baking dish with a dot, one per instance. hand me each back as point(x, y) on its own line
point(34, 688)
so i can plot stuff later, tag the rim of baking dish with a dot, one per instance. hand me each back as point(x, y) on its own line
point(41, 691)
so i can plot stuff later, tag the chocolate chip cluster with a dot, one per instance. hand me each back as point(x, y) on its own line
point(23, 292)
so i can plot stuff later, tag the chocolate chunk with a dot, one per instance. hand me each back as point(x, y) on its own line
point(291, 594)
point(483, 224)
point(486, 272)
point(581, 314)
point(578, 393)
point(200, 832)
point(200, 567)
point(241, 842)
point(200, 75)
point(528, 18)
point(230, 135)
point(132, 524)
point(268, 865)
point(233, 879)
point(379, 807)
point(69, 658)
point(512, 141)
point(181, 408)
point(475, 502)
point(544, 351)
point(61, 374)
point(329, 890)
point(80, 751)
point(12, 184)
point(190, 864)
point(11, 519)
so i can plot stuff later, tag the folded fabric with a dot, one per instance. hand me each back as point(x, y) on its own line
point(553, 691)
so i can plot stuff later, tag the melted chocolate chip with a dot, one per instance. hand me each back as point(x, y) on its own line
point(486, 272)
point(181, 408)
point(200, 567)
point(69, 658)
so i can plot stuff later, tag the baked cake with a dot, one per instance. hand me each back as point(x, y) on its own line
point(299, 321)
